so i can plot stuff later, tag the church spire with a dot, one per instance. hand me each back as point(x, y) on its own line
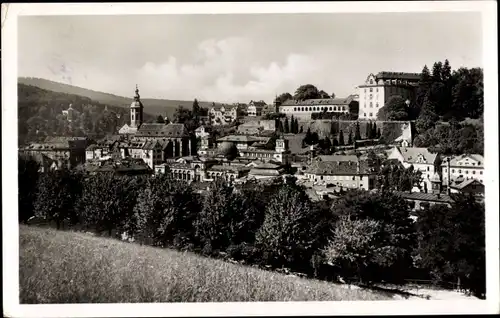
point(137, 96)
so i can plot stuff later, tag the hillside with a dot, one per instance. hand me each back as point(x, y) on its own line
point(153, 107)
point(69, 267)
point(40, 114)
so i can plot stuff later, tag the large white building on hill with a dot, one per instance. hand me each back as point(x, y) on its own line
point(377, 90)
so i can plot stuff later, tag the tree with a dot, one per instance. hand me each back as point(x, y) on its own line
point(332, 95)
point(437, 72)
point(283, 98)
point(227, 218)
point(287, 126)
point(57, 192)
point(394, 109)
point(446, 71)
point(107, 202)
point(368, 130)
point(292, 126)
point(390, 233)
point(165, 212)
point(395, 177)
point(357, 133)
point(196, 108)
point(452, 242)
point(428, 115)
point(292, 229)
point(160, 119)
point(323, 94)
point(349, 138)
point(27, 178)
point(374, 130)
point(379, 134)
point(307, 91)
point(301, 129)
point(341, 138)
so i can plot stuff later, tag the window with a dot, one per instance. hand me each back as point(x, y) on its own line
point(354, 178)
point(371, 104)
point(371, 82)
point(371, 114)
point(295, 109)
point(364, 114)
point(459, 170)
point(371, 96)
point(480, 172)
point(377, 89)
point(473, 171)
point(428, 168)
point(335, 108)
point(365, 90)
point(371, 90)
point(453, 170)
point(330, 108)
point(466, 171)
point(445, 170)
point(376, 105)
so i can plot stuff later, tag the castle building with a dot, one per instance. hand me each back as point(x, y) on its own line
point(377, 90)
point(221, 115)
point(304, 109)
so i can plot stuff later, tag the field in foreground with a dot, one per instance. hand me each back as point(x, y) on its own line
point(68, 267)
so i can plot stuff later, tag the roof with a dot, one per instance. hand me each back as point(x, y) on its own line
point(265, 172)
point(207, 128)
point(422, 196)
point(227, 168)
point(435, 177)
point(242, 138)
point(226, 107)
point(257, 104)
point(412, 155)
point(258, 164)
point(156, 129)
point(338, 168)
point(126, 129)
point(342, 158)
point(477, 157)
point(465, 183)
point(319, 101)
point(398, 75)
point(406, 134)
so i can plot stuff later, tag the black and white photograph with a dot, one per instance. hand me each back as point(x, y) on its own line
point(228, 158)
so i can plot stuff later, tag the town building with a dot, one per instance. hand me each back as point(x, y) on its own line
point(467, 186)
point(466, 167)
point(257, 127)
point(419, 200)
point(342, 174)
point(103, 148)
point(304, 109)
point(203, 131)
point(125, 167)
point(65, 152)
point(255, 108)
point(377, 90)
point(421, 159)
point(221, 115)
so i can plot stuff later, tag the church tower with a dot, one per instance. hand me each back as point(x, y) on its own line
point(136, 110)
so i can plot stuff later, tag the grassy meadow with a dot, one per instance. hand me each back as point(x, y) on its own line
point(69, 267)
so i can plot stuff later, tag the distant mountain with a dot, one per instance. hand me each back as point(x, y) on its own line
point(152, 106)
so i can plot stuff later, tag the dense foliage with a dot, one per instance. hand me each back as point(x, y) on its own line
point(365, 235)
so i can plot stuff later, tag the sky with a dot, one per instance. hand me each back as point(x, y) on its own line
point(240, 57)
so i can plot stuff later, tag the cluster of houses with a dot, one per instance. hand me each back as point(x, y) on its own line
point(255, 151)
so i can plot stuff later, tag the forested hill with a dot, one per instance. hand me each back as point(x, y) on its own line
point(153, 107)
point(40, 114)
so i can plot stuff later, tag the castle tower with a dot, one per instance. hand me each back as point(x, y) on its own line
point(136, 110)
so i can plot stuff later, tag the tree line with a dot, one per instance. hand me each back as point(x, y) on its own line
point(367, 235)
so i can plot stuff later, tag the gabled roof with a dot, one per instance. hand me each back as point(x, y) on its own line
point(477, 157)
point(156, 129)
point(207, 128)
point(465, 183)
point(412, 154)
point(242, 138)
point(319, 101)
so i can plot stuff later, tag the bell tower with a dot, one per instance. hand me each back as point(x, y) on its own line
point(136, 110)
